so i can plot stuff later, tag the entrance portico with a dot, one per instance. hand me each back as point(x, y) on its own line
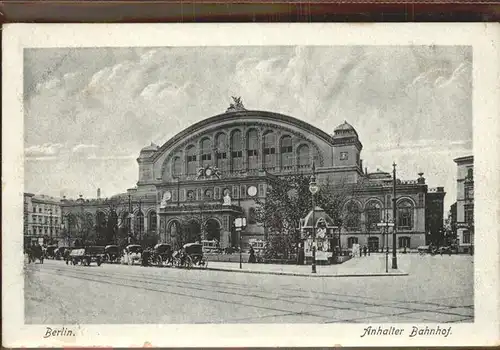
point(189, 223)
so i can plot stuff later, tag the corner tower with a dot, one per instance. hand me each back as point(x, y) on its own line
point(346, 147)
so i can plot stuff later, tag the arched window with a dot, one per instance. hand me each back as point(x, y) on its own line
point(353, 215)
point(252, 149)
point(405, 214)
point(303, 156)
point(252, 216)
point(286, 151)
point(152, 221)
point(177, 166)
point(269, 150)
point(403, 242)
point(351, 241)
point(470, 174)
point(126, 220)
point(139, 223)
point(100, 219)
point(373, 214)
point(209, 194)
point(221, 145)
point(206, 152)
point(191, 160)
point(236, 150)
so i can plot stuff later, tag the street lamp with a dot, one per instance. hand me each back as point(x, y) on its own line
point(240, 224)
point(313, 188)
point(394, 257)
point(386, 224)
point(50, 226)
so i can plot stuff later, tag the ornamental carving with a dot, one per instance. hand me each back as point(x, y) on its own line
point(237, 105)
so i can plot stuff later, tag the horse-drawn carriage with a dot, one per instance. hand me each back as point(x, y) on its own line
point(112, 253)
point(162, 255)
point(132, 254)
point(60, 252)
point(190, 255)
point(86, 256)
point(50, 252)
point(35, 252)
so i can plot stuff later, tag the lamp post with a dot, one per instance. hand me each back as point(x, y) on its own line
point(140, 214)
point(129, 219)
point(68, 220)
point(313, 188)
point(385, 225)
point(50, 226)
point(394, 256)
point(240, 224)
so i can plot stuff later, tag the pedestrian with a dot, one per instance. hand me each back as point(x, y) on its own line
point(145, 257)
point(251, 259)
point(364, 250)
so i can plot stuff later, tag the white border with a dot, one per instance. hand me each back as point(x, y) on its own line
point(483, 37)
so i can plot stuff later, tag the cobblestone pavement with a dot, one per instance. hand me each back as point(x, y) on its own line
point(437, 289)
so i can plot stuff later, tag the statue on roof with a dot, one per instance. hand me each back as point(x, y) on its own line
point(237, 105)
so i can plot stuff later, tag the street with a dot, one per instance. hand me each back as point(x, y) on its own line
point(438, 289)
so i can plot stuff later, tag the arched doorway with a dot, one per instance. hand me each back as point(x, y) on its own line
point(212, 230)
point(192, 231)
point(373, 244)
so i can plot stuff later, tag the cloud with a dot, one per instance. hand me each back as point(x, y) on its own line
point(45, 150)
point(420, 145)
point(109, 103)
point(112, 157)
point(83, 148)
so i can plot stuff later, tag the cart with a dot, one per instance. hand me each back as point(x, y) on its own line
point(86, 256)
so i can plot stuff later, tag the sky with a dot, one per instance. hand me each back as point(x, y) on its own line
point(89, 111)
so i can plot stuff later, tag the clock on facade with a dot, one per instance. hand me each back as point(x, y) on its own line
point(252, 191)
point(208, 172)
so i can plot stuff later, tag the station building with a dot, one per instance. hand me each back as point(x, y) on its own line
point(215, 170)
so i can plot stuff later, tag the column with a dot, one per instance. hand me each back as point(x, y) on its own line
point(244, 149)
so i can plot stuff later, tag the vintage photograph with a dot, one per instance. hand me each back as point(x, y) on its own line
point(279, 184)
point(228, 186)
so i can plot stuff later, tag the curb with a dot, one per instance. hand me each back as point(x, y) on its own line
point(376, 274)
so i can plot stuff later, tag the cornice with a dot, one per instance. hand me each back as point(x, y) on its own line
point(240, 117)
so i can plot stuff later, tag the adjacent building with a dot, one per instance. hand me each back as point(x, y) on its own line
point(434, 216)
point(42, 219)
point(204, 177)
point(465, 203)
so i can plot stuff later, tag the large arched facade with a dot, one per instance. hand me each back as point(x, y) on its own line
point(196, 184)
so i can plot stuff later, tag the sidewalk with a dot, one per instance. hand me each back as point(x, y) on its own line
point(369, 266)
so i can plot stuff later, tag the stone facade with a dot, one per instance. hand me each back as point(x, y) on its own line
point(465, 203)
point(42, 218)
point(215, 170)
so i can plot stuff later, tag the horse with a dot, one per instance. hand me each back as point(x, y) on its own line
point(34, 253)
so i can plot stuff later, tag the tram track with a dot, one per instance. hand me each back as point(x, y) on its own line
point(159, 283)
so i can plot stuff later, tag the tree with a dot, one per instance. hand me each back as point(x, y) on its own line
point(288, 200)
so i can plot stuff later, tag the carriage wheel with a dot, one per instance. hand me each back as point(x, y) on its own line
point(189, 262)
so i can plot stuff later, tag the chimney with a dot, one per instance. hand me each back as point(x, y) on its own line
point(98, 193)
point(361, 164)
point(366, 170)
